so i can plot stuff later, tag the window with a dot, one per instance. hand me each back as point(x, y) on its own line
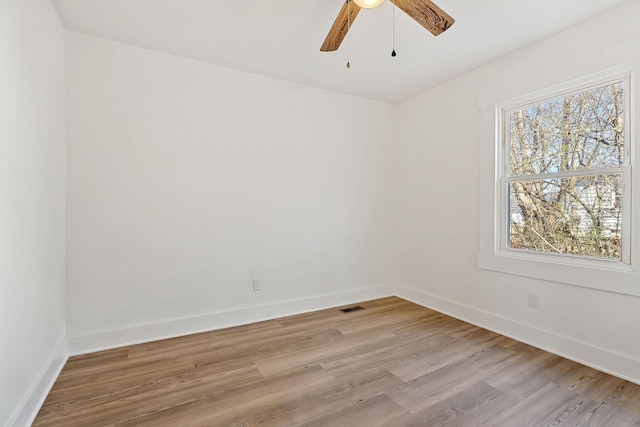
point(565, 175)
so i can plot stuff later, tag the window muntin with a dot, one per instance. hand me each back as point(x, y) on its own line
point(565, 173)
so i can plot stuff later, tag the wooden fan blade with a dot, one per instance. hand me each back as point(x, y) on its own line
point(340, 26)
point(427, 14)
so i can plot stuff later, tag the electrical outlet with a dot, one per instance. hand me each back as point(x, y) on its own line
point(534, 300)
point(257, 284)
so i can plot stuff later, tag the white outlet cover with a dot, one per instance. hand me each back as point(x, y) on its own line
point(534, 300)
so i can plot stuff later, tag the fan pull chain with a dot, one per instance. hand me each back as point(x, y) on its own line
point(393, 51)
point(348, 33)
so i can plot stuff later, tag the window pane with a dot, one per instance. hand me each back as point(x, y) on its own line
point(575, 132)
point(578, 216)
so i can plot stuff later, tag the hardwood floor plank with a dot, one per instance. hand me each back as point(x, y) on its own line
point(437, 386)
point(378, 410)
point(551, 405)
point(317, 402)
point(394, 364)
point(316, 354)
point(588, 382)
point(118, 383)
point(383, 354)
point(523, 375)
point(627, 398)
point(472, 407)
point(210, 409)
point(433, 359)
point(150, 398)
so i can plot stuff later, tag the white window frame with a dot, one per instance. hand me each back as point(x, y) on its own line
point(504, 177)
point(604, 275)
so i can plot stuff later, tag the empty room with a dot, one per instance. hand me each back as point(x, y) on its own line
point(319, 213)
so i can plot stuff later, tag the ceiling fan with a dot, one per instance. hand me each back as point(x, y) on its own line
point(424, 12)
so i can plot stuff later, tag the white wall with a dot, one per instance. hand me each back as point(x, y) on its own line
point(442, 199)
point(32, 198)
point(185, 180)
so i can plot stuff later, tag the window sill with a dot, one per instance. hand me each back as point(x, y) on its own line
point(619, 278)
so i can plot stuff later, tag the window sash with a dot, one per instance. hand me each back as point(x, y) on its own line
point(583, 201)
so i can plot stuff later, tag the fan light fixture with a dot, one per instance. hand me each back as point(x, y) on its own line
point(424, 12)
point(368, 4)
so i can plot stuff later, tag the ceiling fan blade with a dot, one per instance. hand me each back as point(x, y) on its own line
point(427, 14)
point(340, 26)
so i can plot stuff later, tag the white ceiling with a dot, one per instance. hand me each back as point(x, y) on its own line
point(282, 38)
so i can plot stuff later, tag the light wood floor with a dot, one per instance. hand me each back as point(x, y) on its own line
point(392, 364)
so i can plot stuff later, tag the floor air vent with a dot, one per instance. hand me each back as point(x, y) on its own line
point(350, 309)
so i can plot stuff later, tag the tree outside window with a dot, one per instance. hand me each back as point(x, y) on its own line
point(564, 170)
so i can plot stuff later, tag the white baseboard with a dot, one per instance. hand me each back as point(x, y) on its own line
point(616, 364)
point(26, 412)
point(88, 343)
